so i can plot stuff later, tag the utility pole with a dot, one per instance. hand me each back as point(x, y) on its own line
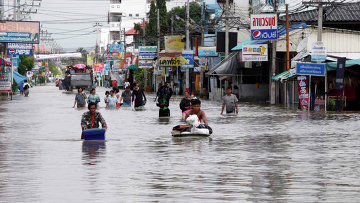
point(158, 35)
point(172, 23)
point(2, 9)
point(287, 54)
point(273, 67)
point(187, 44)
point(226, 28)
point(15, 10)
point(144, 43)
point(202, 44)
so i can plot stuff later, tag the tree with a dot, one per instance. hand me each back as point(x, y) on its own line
point(53, 69)
point(26, 64)
point(180, 11)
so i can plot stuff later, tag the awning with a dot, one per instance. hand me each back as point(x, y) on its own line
point(19, 79)
point(285, 75)
point(226, 66)
point(333, 65)
point(281, 32)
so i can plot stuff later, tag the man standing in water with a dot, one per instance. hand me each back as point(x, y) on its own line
point(93, 97)
point(92, 118)
point(230, 101)
point(164, 94)
point(138, 96)
point(196, 105)
point(126, 97)
point(80, 98)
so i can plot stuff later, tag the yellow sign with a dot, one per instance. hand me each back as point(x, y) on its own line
point(174, 43)
point(90, 60)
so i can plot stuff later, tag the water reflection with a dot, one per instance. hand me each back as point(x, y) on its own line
point(93, 151)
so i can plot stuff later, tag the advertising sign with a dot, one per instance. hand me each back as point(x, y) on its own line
point(340, 70)
point(188, 55)
point(174, 43)
point(258, 52)
point(207, 52)
point(90, 60)
point(115, 48)
point(145, 63)
point(169, 59)
point(263, 27)
point(5, 82)
point(303, 92)
point(147, 52)
point(20, 49)
point(20, 31)
point(318, 53)
point(315, 69)
point(98, 66)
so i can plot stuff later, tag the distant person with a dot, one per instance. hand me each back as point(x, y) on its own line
point(185, 104)
point(92, 118)
point(230, 101)
point(112, 101)
point(93, 97)
point(138, 97)
point(164, 94)
point(107, 93)
point(80, 98)
point(117, 95)
point(196, 105)
point(114, 83)
point(126, 83)
point(26, 87)
point(236, 91)
point(126, 97)
point(21, 88)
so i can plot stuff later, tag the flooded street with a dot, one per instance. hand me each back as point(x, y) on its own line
point(266, 154)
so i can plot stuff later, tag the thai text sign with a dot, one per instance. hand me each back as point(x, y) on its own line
point(169, 59)
point(316, 69)
point(340, 71)
point(303, 92)
point(5, 82)
point(207, 52)
point(147, 52)
point(263, 27)
point(188, 55)
point(174, 43)
point(145, 63)
point(89, 60)
point(20, 31)
point(258, 52)
point(115, 48)
point(318, 52)
point(98, 66)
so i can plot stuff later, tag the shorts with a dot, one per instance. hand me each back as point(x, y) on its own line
point(26, 92)
point(126, 104)
point(233, 111)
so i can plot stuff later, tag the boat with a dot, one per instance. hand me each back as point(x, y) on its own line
point(194, 129)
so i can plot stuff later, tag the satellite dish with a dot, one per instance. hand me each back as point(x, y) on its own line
point(302, 45)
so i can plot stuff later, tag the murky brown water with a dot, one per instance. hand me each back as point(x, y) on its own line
point(266, 154)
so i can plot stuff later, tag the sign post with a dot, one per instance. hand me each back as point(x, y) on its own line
point(339, 82)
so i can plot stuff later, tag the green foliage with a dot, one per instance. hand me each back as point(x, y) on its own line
point(139, 76)
point(53, 69)
point(195, 15)
point(41, 79)
point(26, 64)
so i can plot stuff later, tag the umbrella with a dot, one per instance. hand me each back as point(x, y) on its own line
point(80, 66)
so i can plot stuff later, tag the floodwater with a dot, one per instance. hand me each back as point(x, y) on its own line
point(266, 154)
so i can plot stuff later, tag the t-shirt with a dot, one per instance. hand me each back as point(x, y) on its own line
point(114, 83)
point(80, 99)
point(230, 101)
point(94, 98)
point(112, 102)
point(126, 97)
point(126, 84)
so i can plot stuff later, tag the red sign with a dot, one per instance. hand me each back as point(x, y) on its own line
point(98, 66)
point(303, 92)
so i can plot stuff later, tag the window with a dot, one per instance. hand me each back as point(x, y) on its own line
point(137, 15)
point(130, 15)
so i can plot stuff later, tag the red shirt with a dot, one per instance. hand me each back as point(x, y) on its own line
point(114, 83)
point(92, 119)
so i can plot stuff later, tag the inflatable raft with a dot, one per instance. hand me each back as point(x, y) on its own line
point(193, 129)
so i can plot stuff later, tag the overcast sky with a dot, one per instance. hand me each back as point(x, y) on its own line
point(72, 21)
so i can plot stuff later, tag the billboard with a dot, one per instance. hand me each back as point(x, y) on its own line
point(147, 52)
point(188, 55)
point(20, 31)
point(258, 52)
point(263, 27)
point(174, 43)
point(115, 48)
point(20, 49)
point(98, 66)
point(207, 52)
point(169, 59)
point(5, 81)
point(145, 64)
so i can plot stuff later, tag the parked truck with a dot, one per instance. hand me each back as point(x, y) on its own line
point(83, 80)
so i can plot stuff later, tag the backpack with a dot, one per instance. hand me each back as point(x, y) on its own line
point(26, 87)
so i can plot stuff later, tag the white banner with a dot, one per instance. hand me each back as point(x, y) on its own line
point(258, 52)
point(56, 56)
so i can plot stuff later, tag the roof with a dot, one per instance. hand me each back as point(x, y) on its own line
point(226, 66)
point(334, 13)
point(132, 31)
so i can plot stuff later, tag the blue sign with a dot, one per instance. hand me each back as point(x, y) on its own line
point(189, 56)
point(115, 48)
point(21, 37)
point(147, 55)
point(21, 52)
point(315, 69)
point(266, 34)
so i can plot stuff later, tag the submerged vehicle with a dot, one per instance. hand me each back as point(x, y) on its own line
point(193, 129)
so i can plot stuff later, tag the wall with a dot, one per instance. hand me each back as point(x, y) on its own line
point(249, 92)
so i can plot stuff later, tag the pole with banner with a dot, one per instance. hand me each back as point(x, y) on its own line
point(339, 82)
